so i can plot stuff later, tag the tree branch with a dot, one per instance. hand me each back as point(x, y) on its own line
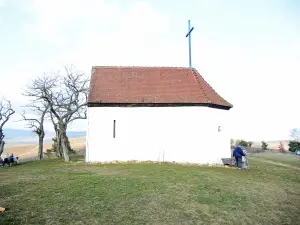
point(6, 112)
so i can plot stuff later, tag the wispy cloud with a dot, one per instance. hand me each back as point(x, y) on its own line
point(2, 3)
point(249, 51)
point(69, 20)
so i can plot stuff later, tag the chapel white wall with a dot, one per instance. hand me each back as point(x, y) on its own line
point(180, 134)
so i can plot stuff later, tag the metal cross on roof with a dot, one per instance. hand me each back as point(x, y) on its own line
point(190, 50)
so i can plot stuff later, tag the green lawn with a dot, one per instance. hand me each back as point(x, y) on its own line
point(54, 192)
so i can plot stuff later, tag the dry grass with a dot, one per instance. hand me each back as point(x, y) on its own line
point(78, 143)
point(31, 151)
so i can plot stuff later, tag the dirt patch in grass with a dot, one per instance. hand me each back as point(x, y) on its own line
point(103, 171)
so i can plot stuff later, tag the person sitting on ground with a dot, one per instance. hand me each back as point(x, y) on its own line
point(238, 153)
point(16, 160)
point(5, 161)
point(11, 158)
point(1, 162)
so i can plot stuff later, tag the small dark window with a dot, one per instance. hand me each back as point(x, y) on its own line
point(114, 131)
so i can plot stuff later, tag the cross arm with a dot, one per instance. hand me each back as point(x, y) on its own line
point(189, 32)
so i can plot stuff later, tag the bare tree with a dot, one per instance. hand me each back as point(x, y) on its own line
point(281, 147)
point(59, 151)
point(295, 134)
point(250, 143)
point(37, 124)
point(6, 112)
point(67, 99)
point(231, 141)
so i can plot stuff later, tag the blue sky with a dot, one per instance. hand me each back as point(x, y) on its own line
point(249, 51)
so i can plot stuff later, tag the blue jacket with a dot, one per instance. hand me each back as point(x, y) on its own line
point(238, 152)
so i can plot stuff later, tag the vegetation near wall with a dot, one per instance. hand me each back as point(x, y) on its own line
point(294, 143)
point(264, 145)
point(293, 146)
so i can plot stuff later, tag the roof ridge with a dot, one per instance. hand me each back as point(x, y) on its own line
point(200, 85)
point(167, 67)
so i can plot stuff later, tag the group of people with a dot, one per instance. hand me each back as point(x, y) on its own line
point(240, 155)
point(8, 160)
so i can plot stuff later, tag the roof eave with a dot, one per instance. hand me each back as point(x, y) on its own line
point(151, 104)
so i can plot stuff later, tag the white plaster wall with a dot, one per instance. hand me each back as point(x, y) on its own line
point(180, 134)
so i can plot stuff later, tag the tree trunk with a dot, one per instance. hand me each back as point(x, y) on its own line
point(41, 146)
point(64, 145)
point(2, 143)
point(59, 152)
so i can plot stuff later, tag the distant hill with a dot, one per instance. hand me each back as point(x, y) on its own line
point(18, 136)
point(14, 133)
point(273, 144)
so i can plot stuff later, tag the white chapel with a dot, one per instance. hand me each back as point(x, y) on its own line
point(165, 114)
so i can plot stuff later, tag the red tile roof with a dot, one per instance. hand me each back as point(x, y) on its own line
point(114, 85)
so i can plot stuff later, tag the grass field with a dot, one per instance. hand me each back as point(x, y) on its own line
point(54, 192)
point(279, 158)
